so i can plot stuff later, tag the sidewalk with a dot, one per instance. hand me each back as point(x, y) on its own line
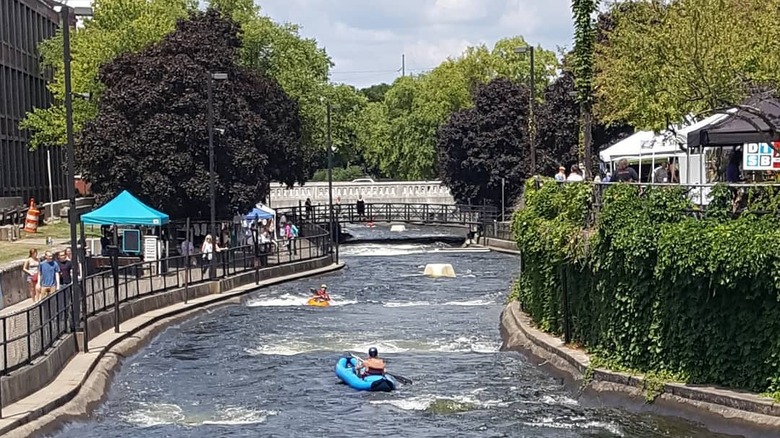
point(84, 380)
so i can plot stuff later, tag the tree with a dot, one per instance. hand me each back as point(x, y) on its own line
point(375, 93)
point(480, 146)
point(117, 27)
point(584, 41)
point(151, 136)
point(405, 146)
point(663, 62)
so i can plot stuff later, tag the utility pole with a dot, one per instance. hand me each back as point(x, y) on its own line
point(403, 64)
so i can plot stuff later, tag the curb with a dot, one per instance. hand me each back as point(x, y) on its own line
point(92, 388)
point(518, 334)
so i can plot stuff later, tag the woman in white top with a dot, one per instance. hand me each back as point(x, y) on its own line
point(575, 174)
point(207, 249)
point(30, 269)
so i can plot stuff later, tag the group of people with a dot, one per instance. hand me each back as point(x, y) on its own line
point(46, 276)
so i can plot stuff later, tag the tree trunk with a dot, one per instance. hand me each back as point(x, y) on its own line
point(587, 140)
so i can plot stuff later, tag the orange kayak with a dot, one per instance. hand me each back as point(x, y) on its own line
point(317, 302)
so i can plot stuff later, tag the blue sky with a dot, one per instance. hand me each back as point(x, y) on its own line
point(366, 38)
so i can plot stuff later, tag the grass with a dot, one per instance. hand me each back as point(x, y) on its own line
point(18, 250)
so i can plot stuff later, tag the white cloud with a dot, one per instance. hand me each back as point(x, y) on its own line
point(455, 11)
point(366, 38)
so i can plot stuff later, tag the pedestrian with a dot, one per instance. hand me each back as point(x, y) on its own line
point(66, 267)
point(30, 269)
point(49, 271)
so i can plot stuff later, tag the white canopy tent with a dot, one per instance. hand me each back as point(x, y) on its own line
point(646, 146)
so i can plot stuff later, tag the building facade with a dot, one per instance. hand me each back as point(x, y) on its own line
point(24, 173)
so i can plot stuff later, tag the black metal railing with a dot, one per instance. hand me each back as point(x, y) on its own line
point(434, 214)
point(498, 230)
point(29, 333)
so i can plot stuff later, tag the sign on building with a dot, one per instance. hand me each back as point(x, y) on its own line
point(761, 156)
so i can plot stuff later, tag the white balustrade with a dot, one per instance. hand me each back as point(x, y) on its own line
point(390, 192)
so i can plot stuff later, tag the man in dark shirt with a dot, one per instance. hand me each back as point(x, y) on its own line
point(625, 173)
point(66, 267)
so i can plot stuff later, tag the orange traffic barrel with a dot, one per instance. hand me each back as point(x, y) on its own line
point(31, 221)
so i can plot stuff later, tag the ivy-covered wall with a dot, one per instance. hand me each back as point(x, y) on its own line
point(653, 285)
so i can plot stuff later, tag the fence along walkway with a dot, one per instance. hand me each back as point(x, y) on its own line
point(26, 334)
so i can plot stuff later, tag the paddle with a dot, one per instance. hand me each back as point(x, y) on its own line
point(402, 379)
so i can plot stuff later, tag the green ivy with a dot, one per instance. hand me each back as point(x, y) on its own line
point(654, 288)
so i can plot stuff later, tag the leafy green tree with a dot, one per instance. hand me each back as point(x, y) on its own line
point(405, 146)
point(584, 42)
point(375, 93)
point(151, 132)
point(662, 62)
point(117, 27)
point(480, 146)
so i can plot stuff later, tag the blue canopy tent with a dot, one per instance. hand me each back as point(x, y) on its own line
point(125, 209)
point(257, 213)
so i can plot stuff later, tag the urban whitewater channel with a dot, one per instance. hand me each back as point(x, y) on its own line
point(265, 367)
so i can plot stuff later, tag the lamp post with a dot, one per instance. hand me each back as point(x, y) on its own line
point(333, 231)
point(212, 176)
point(503, 180)
point(77, 295)
point(531, 123)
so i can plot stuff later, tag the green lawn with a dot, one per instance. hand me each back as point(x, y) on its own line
point(18, 250)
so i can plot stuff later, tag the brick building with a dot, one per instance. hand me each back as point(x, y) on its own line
point(24, 173)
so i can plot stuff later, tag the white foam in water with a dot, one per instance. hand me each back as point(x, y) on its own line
point(559, 400)
point(381, 250)
point(290, 300)
point(406, 304)
point(551, 423)
point(155, 414)
point(470, 303)
point(423, 402)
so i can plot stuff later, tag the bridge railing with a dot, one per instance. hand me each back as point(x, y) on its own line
point(498, 230)
point(443, 214)
point(420, 192)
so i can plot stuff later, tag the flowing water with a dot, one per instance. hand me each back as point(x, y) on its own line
point(264, 368)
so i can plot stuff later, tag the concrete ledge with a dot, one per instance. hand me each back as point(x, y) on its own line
point(105, 353)
point(517, 333)
point(500, 245)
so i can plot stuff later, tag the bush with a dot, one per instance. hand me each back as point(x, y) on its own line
point(652, 289)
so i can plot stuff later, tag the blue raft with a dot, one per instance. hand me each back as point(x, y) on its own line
point(345, 370)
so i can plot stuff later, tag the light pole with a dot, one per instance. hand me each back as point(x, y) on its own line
point(502, 198)
point(76, 293)
point(333, 230)
point(212, 177)
point(531, 120)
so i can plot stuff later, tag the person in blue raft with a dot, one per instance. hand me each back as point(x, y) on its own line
point(365, 375)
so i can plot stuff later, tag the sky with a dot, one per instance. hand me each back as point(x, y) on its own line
point(367, 38)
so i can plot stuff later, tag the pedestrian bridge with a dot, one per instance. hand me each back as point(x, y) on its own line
point(433, 214)
point(385, 192)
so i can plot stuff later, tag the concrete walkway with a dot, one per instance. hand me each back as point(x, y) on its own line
point(87, 375)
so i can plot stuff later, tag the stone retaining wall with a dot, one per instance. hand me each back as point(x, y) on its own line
point(517, 333)
point(29, 379)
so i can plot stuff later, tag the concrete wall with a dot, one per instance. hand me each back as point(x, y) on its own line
point(390, 192)
point(26, 381)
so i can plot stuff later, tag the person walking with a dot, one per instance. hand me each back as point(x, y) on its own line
point(49, 271)
point(30, 269)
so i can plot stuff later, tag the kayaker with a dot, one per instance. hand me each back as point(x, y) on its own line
point(373, 366)
point(323, 293)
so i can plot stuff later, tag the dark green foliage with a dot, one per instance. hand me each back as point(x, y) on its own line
point(479, 146)
point(657, 290)
point(151, 134)
point(375, 93)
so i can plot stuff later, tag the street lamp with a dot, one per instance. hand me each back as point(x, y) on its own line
point(333, 230)
point(532, 125)
point(212, 176)
point(77, 295)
